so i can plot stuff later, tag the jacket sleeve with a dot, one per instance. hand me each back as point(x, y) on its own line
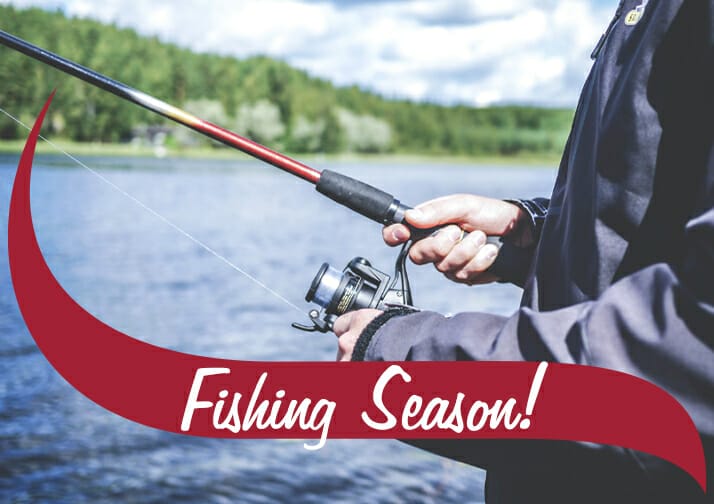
point(657, 323)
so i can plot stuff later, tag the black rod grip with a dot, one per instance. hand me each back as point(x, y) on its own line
point(364, 199)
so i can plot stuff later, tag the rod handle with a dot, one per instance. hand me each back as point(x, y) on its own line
point(356, 195)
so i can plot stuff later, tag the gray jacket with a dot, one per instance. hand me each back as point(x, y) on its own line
point(623, 273)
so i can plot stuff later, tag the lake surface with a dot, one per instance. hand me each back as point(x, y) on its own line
point(139, 275)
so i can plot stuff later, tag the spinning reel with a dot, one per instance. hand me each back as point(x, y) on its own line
point(359, 285)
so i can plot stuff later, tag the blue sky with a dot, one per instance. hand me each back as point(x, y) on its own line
point(477, 52)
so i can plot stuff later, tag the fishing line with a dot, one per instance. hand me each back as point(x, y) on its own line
point(158, 215)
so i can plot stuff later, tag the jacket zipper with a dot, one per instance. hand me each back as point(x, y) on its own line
point(605, 35)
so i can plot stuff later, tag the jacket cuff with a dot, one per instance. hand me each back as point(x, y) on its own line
point(360, 349)
point(513, 264)
point(514, 261)
point(536, 210)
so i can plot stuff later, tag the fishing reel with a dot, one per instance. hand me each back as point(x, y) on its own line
point(359, 285)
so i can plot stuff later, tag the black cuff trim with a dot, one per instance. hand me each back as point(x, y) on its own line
point(360, 349)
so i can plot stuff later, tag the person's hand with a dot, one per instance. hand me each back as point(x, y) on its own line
point(461, 257)
point(348, 328)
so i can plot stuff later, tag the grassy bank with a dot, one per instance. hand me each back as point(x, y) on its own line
point(128, 150)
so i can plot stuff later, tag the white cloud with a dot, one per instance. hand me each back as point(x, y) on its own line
point(469, 51)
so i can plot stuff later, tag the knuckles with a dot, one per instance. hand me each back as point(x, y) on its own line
point(442, 248)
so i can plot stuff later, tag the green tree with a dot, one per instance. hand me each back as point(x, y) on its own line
point(263, 98)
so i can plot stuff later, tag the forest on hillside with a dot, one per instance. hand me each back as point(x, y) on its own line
point(259, 97)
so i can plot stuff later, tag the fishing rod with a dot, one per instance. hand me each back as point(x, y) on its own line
point(359, 285)
point(358, 196)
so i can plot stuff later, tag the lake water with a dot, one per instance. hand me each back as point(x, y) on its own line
point(136, 273)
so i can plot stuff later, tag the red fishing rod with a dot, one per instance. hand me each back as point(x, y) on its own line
point(354, 194)
point(360, 197)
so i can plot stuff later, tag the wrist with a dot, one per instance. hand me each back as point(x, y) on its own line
point(529, 221)
point(360, 349)
point(521, 231)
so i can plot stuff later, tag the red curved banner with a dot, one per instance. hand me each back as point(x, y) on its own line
point(202, 396)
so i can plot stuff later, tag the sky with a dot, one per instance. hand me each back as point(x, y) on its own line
point(473, 52)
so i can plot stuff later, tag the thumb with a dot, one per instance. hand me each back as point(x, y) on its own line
point(446, 210)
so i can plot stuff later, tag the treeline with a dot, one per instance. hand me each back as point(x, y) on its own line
point(262, 98)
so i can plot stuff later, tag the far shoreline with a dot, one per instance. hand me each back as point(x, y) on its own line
point(219, 153)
